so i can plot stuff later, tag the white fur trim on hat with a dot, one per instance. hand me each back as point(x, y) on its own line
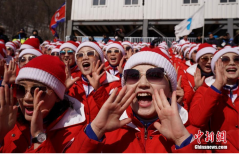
point(94, 46)
point(204, 51)
point(115, 45)
point(127, 43)
point(43, 77)
point(152, 58)
point(55, 50)
point(10, 45)
point(30, 51)
point(26, 46)
point(191, 51)
point(220, 53)
point(184, 46)
point(68, 45)
point(185, 52)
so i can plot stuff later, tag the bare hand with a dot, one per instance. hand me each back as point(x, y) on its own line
point(119, 67)
point(221, 78)
point(94, 80)
point(8, 111)
point(69, 81)
point(170, 125)
point(108, 117)
point(198, 80)
point(2, 64)
point(10, 73)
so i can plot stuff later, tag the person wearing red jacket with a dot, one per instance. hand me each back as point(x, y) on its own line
point(95, 85)
point(215, 105)
point(151, 82)
point(198, 72)
point(67, 55)
point(115, 55)
point(46, 120)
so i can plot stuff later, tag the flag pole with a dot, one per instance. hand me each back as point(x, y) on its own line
point(203, 22)
point(65, 23)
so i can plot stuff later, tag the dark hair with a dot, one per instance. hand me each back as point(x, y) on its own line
point(58, 109)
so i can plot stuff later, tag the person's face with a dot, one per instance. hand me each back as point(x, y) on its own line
point(26, 98)
point(49, 50)
point(185, 37)
point(10, 51)
point(231, 65)
point(194, 56)
point(21, 31)
point(85, 62)
point(25, 59)
point(142, 104)
point(205, 62)
point(135, 50)
point(128, 51)
point(210, 36)
point(186, 56)
point(199, 37)
point(56, 54)
point(114, 56)
point(68, 54)
point(34, 33)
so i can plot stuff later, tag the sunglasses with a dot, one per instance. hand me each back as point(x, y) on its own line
point(226, 60)
point(54, 54)
point(9, 48)
point(128, 48)
point(205, 59)
point(136, 50)
point(70, 52)
point(21, 91)
point(80, 55)
point(153, 75)
point(24, 59)
point(115, 51)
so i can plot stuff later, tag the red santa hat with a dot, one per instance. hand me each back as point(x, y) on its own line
point(192, 49)
point(11, 45)
point(3, 52)
point(186, 51)
point(70, 44)
point(203, 49)
point(127, 43)
point(93, 45)
point(56, 49)
point(31, 43)
point(35, 52)
point(17, 43)
point(38, 70)
point(184, 46)
point(219, 53)
point(116, 45)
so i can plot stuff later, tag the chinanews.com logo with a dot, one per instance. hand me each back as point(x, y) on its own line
point(221, 138)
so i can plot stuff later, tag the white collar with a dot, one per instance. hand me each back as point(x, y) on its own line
point(110, 78)
point(210, 80)
point(192, 69)
point(188, 63)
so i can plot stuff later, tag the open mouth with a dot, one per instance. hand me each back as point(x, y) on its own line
point(144, 99)
point(86, 65)
point(208, 67)
point(113, 59)
point(231, 70)
point(29, 110)
point(66, 59)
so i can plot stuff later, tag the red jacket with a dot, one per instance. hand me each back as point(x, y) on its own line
point(65, 134)
point(95, 99)
point(114, 71)
point(210, 107)
point(135, 138)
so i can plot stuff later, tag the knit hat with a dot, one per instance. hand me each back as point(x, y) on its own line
point(3, 52)
point(184, 46)
point(164, 51)
point(116, 45)
point(219, 53)
point(70, 44)
point(93, 45)
point(153, 57)
point(38, 70)
point(11, 45)
point(185, 52)
point(35, 52)
point(56, 49)
point(192, 49)
point(127, 43)
point(31, 43)
point(203, 49)
point(17, 43)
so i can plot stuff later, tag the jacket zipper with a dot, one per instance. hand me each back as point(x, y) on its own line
point(145, 132)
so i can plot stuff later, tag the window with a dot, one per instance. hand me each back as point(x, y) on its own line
point(131, 2)
point(99, 2)
point(189, 1)
point(225, 1)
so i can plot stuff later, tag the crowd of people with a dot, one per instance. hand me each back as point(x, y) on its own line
point(118, 96)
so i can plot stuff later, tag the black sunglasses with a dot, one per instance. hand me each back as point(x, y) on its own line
point(153, 75)
point(115, 51)
point(226, 60)
point(23, 59)
point(206, 59)
point(55, 54)
point(21, 91)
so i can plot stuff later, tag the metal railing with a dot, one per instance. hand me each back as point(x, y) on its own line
point(168, 40)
